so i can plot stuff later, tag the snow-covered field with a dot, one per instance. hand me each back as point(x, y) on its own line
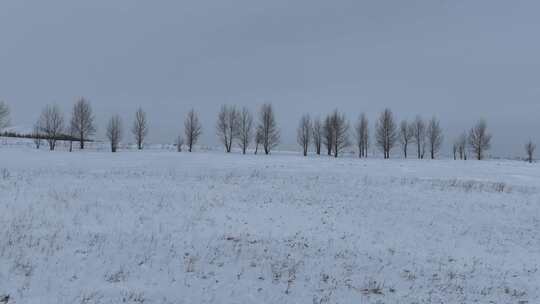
point(165, 227)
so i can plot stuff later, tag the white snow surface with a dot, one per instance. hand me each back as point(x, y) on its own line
point(165, 227)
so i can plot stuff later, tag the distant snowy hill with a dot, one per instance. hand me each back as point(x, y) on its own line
point(23, 130)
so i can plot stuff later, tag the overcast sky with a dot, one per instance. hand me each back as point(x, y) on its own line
point(458, 60)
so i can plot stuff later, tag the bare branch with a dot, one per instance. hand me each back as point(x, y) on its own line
point(51, 123)
point(258, 139)
point(462, 146)
point(82, 121)
point(362, 135)
point(419, 136)
point(530, 147)
point(406, 136)
point(434, 137)
point(245, 129)
point(140, 128)
point(317, 132)
point(339, 127)
point(386, 132)
point(267, 128)
point(328, 134)
point(227, 126)
point(192, 129)
point(479, 139)
point(114, 132)
point(303, 135)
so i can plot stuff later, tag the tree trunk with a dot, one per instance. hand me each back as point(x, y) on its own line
point(405, 150)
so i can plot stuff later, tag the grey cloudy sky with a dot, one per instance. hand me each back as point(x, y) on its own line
point(459, 60)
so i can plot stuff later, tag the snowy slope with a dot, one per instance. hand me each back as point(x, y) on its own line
point(161, 227)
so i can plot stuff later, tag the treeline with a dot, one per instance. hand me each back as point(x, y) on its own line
point(333, 134)
point(61, 137)
point(239, 127)
point(423, 136)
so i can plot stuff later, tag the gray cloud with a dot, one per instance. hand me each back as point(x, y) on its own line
point(459, 60)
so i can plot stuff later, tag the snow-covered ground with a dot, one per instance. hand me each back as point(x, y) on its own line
point(165, 227)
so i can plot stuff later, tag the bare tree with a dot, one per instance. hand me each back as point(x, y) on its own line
point(258, 139)
point(245, 129)
point(386, 132)
point(36, 135)
point(340, 132)
point(455, 147)
point(419, 127)
point(82, 120)
point(268, 128)
point(140, 128)
point(51, 122)
point(4, 115)
point(462, 146)
point(114, 132)
point(434, 136)
point(222, 127)
point(71, 133)
point(529, 149)
point(479, 139)
point(233, 126)
point(227, 127)
point(179, 143)
point(317, 133)
point(406, 136)
point(303, 134)
point(192, 129)
point(362, 135)
point(327, 134)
